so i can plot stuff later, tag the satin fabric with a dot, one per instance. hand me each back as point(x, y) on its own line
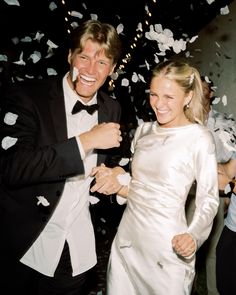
point(165, 163)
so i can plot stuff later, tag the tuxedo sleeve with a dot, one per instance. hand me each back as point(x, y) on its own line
point(29, 151)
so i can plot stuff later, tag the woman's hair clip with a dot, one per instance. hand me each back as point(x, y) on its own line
point(191, 79)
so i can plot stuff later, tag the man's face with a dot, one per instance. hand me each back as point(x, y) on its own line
point(207, 93)
point(89, 70)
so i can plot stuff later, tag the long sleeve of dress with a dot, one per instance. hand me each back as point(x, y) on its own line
point(207, 199)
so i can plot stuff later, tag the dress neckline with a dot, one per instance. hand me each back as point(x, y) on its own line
point(190, 125)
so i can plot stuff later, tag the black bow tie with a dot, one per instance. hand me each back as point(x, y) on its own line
point(79, 107)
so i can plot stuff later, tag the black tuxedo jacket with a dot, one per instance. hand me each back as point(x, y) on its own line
point(36, 158)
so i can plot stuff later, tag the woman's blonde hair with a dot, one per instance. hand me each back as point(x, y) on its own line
point(188, 78)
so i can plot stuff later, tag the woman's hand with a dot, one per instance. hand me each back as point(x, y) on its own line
point(184, 244)
point(107, 181)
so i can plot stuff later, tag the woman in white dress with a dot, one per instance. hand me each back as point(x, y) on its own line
point(153, 252)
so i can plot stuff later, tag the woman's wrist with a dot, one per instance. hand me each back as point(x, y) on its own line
point(123, 191)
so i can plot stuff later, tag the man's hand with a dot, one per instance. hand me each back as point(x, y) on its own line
point(184, 244)
point(102, 136)
point(106, 179)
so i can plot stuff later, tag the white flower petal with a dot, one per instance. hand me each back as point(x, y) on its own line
point(36, 56)
point(187, 54)
point(161, 53)
point(38, 36)
point(158, 28)
point(216, 100)
point(94, 16)
point(224, 100)
point(139, 120)
point(3, 57)
point(12, 2)
point(125, 82)
point(141, 78)
point(74, 25)
point(124, 161)
point(51, 44)
point(42, 200)
point(168, 33)
point(156, 59)
point(20, 61)
point(51, 72)
point(134, 77)
point(77, 14)
point(75, 73)
point(114, 75)
point(147, 65)
point(52, 6)
point(10, 118)
point(26, 39)
point(29, 76)
point(19, 79)
point(15, 40)
point(93, 200)
point(124, 179)
point(84, 6)
point(224, 10)
point(193, 39)
point(139, 27)
point(227, 189)
point(120, 28)
point(210, 1)
point(8, 142)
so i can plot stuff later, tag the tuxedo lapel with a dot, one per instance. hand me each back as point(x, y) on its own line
point(103, 112)
point(103, 116)
point(57, 109)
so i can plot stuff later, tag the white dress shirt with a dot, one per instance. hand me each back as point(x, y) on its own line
point(71, 219)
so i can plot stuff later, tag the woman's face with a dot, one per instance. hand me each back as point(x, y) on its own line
point(167, 100)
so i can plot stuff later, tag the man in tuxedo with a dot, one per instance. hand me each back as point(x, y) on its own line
point(52, 133)
point(223, 129)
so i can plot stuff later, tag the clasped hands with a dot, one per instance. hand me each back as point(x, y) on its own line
point(184, 245)
point(106, 179)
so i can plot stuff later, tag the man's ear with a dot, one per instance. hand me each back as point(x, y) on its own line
point(69, 57)
point(112, 69)
point(211, 93)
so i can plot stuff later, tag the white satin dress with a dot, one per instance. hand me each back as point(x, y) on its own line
point(165, 163)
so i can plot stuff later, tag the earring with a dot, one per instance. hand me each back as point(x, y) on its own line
point(187, 106)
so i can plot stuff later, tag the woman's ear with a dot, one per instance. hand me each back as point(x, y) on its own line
point(188, 98)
